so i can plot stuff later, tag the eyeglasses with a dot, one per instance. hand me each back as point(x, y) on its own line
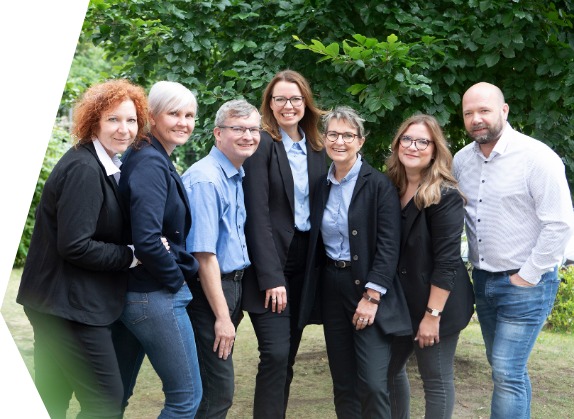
point(421, 144)
point(238, 131)
point(296, 101)
point(348, 137)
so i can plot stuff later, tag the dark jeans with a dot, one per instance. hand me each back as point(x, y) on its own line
point(217, 375)
point(436, 367)
point(75, 358)
point(279, 338)
point(358, 360)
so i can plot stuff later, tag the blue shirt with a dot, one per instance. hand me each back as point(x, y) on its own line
point(215, 192)
point(297, 156)
point(335, 223)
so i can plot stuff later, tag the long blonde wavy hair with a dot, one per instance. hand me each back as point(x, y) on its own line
point(436, 176)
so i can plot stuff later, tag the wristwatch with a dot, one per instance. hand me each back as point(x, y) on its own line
point(434, 312)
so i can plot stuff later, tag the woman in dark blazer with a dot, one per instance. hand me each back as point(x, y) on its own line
point(158, 294)
point(354, 250)
point(76, 272)
point(433, 276)
point(279, 179)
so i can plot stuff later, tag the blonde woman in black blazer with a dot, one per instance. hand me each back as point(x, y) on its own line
point(75, 277)
point(278, 183)
point(433, 276)
point(354, 249)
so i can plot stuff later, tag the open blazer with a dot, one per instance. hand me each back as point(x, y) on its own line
point(78, 260)
point(374, 239)
point(430, 255)
point(154, 193)
point(269, 202)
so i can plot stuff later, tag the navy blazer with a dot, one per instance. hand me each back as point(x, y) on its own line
point(270, 225)
point(374, 239)
point(158, 206)
point(430, 255)
point(78, 259)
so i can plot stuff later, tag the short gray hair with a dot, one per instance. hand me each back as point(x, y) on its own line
point(346, 114)
point(170, 96)
point(238, 108)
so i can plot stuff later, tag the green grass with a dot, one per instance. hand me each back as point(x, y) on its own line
point(551, 371)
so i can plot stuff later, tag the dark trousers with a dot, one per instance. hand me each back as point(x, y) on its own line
point(358, 360)
point(436, 367)
point(278, 338)
point(75, 358)
point(217, 375)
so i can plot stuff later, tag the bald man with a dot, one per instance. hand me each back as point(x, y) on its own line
point(518, 221)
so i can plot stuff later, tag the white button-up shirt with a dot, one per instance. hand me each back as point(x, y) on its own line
point(519, 211)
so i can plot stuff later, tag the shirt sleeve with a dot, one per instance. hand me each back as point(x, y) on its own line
point(206, 211)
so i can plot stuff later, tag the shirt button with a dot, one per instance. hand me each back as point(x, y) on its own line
point(483, 181)
point(478, 220)
point(357, 282)
point(354, 232)
point(482, 259)
point(356, 257)
point(404, 271)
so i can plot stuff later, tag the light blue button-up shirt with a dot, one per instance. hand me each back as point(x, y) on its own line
point(297, 156)
point(215, 192)
point(335, 223)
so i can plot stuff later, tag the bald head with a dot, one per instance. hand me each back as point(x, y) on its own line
point(484, 113)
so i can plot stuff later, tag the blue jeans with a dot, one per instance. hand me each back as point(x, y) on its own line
point(159, 322)
point(511, 318)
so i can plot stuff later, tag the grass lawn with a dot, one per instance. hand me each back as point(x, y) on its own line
point(551, 370)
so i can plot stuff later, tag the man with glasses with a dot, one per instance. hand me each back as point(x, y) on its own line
point(217, 240)
point(518, 221)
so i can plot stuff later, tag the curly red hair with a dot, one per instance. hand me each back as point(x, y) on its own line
point(101, 97)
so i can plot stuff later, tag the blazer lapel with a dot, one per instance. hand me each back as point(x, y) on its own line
point(411, 215)
point(286, 174)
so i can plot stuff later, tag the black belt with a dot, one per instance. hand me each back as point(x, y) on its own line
point(341, 264)
point(233, 275)
point(501, 273)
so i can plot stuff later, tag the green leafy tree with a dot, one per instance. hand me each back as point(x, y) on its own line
point(434, 51)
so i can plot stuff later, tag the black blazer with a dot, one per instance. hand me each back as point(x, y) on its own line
point(269, 201)
point(430, 255)
point(374, 239)
point(153, 191)
point(78, 257)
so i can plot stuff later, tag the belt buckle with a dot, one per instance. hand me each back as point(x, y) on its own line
point(342, 264)
point(238, 275)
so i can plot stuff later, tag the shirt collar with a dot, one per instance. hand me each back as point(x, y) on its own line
point(288, 142)
point(353, 173)
point(111, 165)
point(226, 165)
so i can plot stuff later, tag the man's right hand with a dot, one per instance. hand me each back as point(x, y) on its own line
point(224, 337)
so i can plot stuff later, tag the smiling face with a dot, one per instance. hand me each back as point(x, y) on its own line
point(342, 154)
point(484, 113)
point(413, 159)
point(238, 147)
point(118, 128)
point(287, 115)
point(173, 127)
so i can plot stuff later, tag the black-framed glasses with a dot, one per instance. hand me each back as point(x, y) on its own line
point(296, 101)
point(348, 137)
point(421, 144)
point(238, 131)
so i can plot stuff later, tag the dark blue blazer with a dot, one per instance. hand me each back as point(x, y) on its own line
point(153, 192)
point(430, 255)
point(270, 204)
point(78, 259)
point(374, 239)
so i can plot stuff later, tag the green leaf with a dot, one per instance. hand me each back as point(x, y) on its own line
point(491, 59)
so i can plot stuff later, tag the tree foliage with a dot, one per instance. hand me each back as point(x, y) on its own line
point(386, 59)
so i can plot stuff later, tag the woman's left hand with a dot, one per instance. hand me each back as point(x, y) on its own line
point(428, 333)
point(364, 314)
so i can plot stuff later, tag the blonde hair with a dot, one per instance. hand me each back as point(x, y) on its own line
point(436, 176)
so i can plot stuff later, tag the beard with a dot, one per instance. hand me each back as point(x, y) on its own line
point(492, 134)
